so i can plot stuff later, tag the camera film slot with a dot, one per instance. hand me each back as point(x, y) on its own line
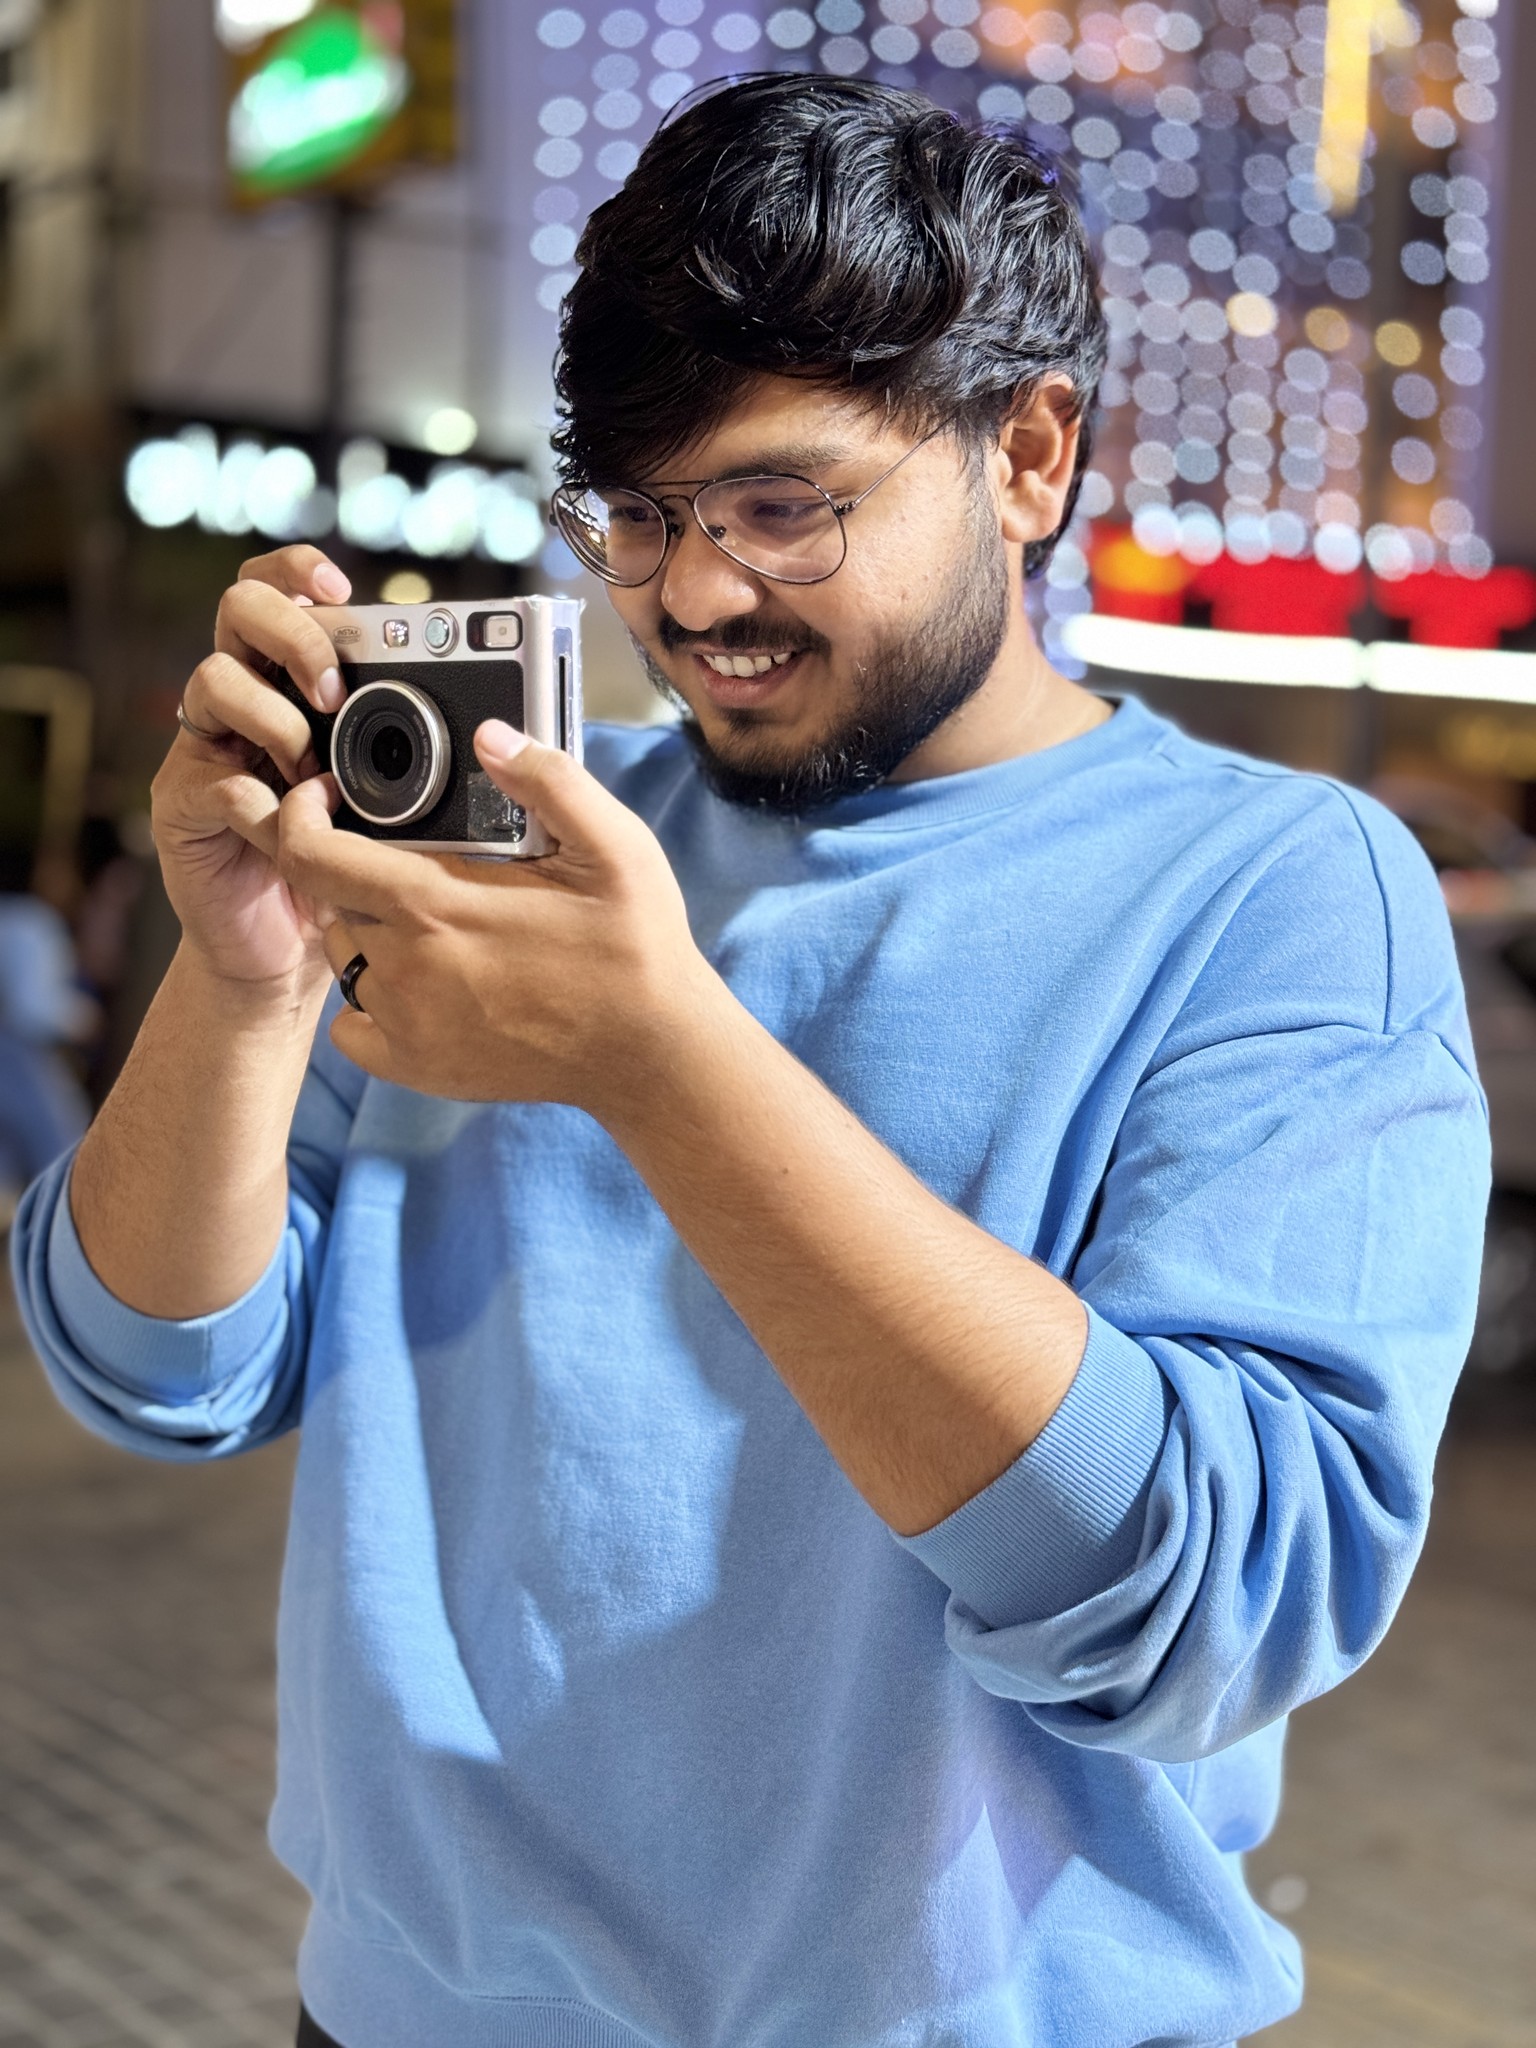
point(567, 716)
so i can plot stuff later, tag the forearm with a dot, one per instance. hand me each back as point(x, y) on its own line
point(927, 1354)
point(179, 1192)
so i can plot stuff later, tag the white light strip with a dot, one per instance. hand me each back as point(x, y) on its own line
point(1196, 654)
point(1489, 673)
point(240, 24)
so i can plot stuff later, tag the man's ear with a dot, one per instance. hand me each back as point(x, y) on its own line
point(1036, 460)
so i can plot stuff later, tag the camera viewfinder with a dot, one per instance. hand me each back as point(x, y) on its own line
point(495, 632)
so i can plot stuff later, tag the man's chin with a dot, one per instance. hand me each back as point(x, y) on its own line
point(763, 771)
point(745, 753)
point(754, 755)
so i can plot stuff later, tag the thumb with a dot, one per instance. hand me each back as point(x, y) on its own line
point(571, 805)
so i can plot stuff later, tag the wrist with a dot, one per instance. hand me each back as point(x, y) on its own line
point(276, 1004)
point(672, 1048)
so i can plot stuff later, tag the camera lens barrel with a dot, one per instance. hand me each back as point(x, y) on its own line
point(390, 753)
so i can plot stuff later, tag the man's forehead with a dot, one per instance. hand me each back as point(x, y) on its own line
point(800, 430)
point(794, 458)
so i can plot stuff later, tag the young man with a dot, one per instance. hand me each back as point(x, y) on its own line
point(867, 1329)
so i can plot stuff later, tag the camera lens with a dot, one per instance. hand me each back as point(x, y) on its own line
point(390, 753)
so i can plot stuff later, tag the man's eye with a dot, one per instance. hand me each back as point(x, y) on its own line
point(785, 511)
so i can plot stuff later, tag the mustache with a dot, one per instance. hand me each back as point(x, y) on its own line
point(749, 635)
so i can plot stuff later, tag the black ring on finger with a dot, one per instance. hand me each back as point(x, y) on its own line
point(348, 981)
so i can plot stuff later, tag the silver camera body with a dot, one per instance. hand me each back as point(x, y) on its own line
point(420, 679)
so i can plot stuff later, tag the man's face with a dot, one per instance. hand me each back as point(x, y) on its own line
point(879, 654)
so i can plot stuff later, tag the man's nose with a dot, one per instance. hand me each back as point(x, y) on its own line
point(700, 584)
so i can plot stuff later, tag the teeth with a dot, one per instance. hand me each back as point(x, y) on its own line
point(746, 664)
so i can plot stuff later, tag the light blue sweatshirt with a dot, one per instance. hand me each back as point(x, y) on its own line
point(610, 1712)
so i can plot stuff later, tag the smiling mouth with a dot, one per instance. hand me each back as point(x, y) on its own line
point(744, 665)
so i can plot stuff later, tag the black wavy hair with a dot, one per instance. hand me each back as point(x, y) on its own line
point(837, 230)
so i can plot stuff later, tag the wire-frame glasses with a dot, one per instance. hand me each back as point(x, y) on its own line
point(783, 527)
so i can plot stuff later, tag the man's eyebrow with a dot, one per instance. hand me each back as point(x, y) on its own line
point(793, 458)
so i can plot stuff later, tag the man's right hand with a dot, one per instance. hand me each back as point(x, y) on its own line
point(215, 819)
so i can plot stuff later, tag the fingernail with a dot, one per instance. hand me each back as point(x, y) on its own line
point(330, 583)
point(500, 740)
point(329, 690)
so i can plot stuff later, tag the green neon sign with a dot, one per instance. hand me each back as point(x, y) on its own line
point(323, 94)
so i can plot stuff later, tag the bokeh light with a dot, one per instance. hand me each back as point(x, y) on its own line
point(1294, 240)
point(248, 488)
point(405, 586)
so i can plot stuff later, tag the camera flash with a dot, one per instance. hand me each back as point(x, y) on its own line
point(397, 632)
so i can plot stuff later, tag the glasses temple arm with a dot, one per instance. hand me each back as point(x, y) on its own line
point(853, 504)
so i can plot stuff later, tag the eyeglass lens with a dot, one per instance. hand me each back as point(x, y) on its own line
point(780, 526)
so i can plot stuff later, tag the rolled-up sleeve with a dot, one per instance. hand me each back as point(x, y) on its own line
point(1281, 1271)
point(1064, 1520)
point(212, 1385)
point(1221, 1518)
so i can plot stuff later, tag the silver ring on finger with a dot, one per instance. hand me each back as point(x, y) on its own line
point(198, 732)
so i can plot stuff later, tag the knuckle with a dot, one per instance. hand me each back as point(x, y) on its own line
point(279, 565)
point(202, 676)
point(316, 646)
point(224, 801)
point(216, 676)
point(270, 558)
point(290, 851)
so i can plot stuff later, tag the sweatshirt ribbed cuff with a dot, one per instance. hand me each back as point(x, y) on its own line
point(148, 1356)
point(1064, 1522)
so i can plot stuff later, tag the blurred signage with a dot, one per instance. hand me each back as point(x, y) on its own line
point(331, 95)
point(1438, 607)
point(1187, 606)
point(239, 484)
point(1279, 621)
point(1315, 661)
point(242, 23)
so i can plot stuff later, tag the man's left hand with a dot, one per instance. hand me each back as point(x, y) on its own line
point(549, 980)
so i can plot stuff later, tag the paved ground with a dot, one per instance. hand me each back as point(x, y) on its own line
point(138, 1903)
point(1409, 1830)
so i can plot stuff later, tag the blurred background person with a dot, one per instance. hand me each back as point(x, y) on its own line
point(43, 1107)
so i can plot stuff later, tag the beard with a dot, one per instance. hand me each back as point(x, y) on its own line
point(906, 686)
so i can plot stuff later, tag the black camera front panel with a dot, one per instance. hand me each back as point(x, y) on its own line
point(466, 694)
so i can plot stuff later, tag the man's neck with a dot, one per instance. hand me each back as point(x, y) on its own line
point(1024, 706)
